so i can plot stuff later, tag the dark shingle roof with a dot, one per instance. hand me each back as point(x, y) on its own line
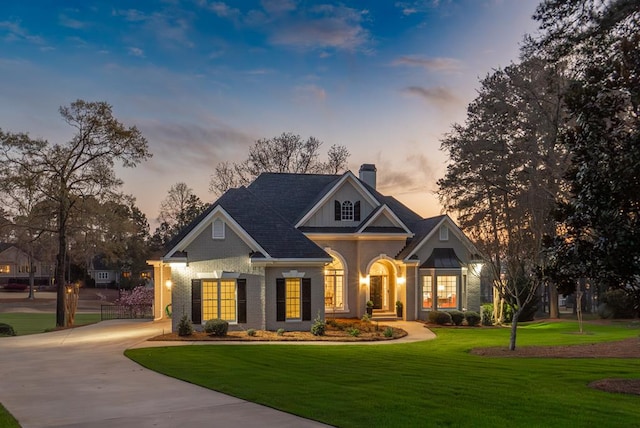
point(267, 227)
point(421, 229)
point(292, 195)
point(442, 258)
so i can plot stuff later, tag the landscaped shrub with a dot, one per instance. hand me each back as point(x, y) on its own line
point(473, 318)
point(280, 332)
point(354, 332)
point(616, 304)
point(251, 332)
point(6, 330)
point(440, 317)
point(184, 327)
point(216, 327)
point(487, 314)
point(318, 327)
point(388, 332)
point(457, 317)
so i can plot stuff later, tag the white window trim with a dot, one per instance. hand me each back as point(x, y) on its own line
point(221, 233)
point(350, 207)
point(287, 319)
point(345, 286)
point(444, 233)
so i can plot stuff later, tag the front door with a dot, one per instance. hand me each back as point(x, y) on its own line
point(376, 290)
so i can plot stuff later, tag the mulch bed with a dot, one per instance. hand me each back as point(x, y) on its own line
point(336, 331)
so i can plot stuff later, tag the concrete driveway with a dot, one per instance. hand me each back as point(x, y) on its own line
point(80, 378)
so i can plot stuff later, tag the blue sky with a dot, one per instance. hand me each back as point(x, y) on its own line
point(203, 79)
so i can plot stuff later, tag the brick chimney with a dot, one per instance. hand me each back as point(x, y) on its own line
point(367, 174)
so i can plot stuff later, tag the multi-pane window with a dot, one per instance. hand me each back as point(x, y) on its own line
point(427, 292)
point(219, 299)
point(334, 286)
point(5, 269)
point(293, 299)
point(447, 291)
point(103, 275)
point(347, 211)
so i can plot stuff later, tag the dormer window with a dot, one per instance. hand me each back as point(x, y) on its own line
point(347, 211)
point(218, 229)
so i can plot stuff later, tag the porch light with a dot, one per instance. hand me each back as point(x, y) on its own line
point(168, 284)
point(401, 280)
point(364, 280)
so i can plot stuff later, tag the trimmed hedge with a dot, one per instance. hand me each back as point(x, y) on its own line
point(473, 318)
point(440, 318)
point(6, 330)
point(457, 317)
point(216, 327)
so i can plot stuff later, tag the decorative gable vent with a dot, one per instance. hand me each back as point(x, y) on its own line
point(218, 229)
point(444, 233)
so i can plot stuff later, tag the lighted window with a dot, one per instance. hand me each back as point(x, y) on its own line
point(5, 269)
point(347, 211)
point(334, 285)
point(103, 275)
point(145, 275)
point(444, 233)
point(219, 299)
point(427, 292)
point(25, 269)
point(218, 229)
point(293, 298)
point(447, 291)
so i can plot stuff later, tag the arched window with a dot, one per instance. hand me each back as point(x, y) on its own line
point(347, 211)
point(334, 286)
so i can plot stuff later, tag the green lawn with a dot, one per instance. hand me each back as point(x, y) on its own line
point(6, 419)
point(31, 323)
point(434, 383)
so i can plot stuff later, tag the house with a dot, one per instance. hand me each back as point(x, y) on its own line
point(15, 267)
point(102, 272)
point(290, 247)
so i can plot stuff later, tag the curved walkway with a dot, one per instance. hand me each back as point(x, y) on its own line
point(80, 378)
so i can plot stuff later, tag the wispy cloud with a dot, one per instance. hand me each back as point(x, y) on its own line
point(133, 51)
point(69, 22)
point(200, 146)
point(170, 28)
point(430, 64)
point(319, 27)
point(438, 95)
point(15, 32)
point(418, 6)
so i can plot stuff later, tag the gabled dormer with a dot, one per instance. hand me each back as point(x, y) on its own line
point(344, 205)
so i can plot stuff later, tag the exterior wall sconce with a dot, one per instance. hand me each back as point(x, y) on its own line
point(401, 280)
point(364, 280)
point(168, 284)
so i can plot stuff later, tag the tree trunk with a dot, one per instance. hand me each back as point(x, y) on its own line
point(60, 263)
point(554, 311)
point(514, 330)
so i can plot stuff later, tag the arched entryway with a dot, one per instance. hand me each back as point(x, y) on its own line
point(382, 285)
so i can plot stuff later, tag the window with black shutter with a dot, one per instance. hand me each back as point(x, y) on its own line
point(242, 301)
point(196, 301)
point(356, 211)
point(306, 299)
point(337, 210)
point(281, 303)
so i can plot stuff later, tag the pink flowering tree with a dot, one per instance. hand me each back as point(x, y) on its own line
point(137, 300)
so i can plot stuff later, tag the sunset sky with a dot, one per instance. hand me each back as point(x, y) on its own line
point(204, 79)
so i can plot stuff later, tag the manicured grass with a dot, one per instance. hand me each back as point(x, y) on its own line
point(434, 383)
point(30, 323)
point(6, 419)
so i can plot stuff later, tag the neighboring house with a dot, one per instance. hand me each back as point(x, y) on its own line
point(102, 272)
point(290, 247)
point(15, 266)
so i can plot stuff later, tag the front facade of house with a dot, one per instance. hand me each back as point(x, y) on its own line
point(16, 267)
point(291, 247)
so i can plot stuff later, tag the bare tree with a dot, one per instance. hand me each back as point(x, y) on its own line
point(285, 153)
point(81, 168)
point(504, 173)
point(177, 210)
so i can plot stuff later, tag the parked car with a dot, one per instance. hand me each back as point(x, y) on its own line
point(14, 286)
